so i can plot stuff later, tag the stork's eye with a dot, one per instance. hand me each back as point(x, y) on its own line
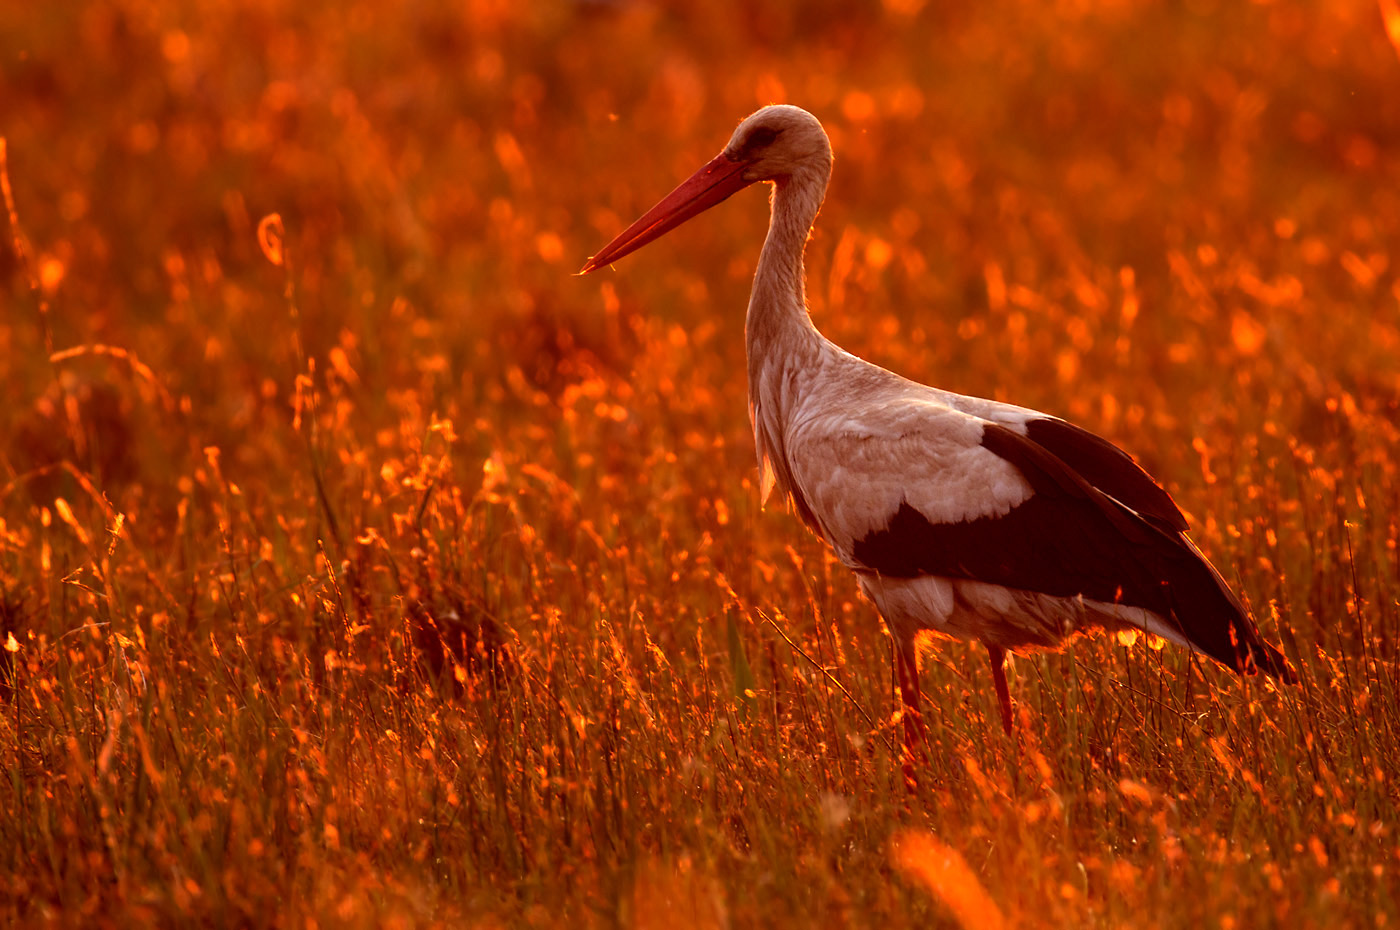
point(762, 137)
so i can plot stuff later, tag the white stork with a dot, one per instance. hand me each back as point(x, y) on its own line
point(967, 517)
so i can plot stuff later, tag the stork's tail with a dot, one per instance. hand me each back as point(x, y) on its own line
point(1215, 622)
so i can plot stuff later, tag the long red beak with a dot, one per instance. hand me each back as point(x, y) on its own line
point(718, 181)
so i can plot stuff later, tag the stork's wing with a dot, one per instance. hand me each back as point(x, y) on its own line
point(927, 490)
point(934, 495)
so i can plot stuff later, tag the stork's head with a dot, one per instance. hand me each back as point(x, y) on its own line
point(778, 143)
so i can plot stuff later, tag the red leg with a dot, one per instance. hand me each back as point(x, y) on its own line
point(906, 665)
point(998, 656)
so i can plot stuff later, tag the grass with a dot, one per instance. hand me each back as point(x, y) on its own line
point(363, 567)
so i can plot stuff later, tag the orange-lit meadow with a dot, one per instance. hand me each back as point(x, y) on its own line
point(362, 566)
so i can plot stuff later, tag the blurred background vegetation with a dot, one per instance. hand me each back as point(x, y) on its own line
point(414, 579)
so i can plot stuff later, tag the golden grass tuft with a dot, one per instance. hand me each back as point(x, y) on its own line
point(940, 869)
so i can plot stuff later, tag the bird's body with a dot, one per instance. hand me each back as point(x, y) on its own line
point(941, 529)
point(967, 517)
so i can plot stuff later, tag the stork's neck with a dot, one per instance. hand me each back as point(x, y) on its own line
point(778, 330)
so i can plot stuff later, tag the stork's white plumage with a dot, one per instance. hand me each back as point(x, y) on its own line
point(964, 516)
